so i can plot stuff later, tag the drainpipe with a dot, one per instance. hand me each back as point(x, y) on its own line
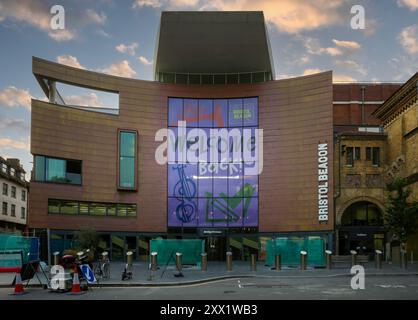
point(48, 240)
point(363, 89)
point(337, 245)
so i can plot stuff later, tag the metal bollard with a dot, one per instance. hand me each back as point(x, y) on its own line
point(253, 262)
point(56, 257)
point(353, 257)
point(204, 261)
point(278, 262)
point(179, 264)
point(229, 261)
point(129, 258)
point(378, 259)
point(303, 259)
point(329, 258)
point(154, 261)
point(403, 259)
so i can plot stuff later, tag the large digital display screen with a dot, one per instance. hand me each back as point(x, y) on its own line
point(212, 188)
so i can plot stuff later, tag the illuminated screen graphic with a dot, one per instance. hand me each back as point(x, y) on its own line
point(212, 193)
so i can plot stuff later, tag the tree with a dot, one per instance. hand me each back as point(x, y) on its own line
point(401, 217)
point(87, 238)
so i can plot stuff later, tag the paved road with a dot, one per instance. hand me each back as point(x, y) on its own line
point(378, 287)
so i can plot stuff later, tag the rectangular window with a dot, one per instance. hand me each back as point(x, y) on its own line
point(4, 208)
point(53, 206)
point(127, 159)
point(13, 192)
point(5, 189)
point(368, 153)
point(4, 168)
point(13, 210)
point(349, 157)
point(12, 172)
point(70, 207)
point(22, 213)
point(23, 195)
point(376, 156)
point(357, 153)
point(57, 170)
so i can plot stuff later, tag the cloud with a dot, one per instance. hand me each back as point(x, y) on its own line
point(90, 100)
point(313, 46)
point(69, 61)
point(410, 4)
point(347, 44)
point(120, 68)
point(6, 143)
point(353, 65)
point(103, 33)
point(97, 18)
point(308, 72)
point(409, 39)
point(164, 3)
point(342, 78)
point(62, 35)
point(13, 97)
point(288, 16)
point(127, 48)
point(34, 13)
point(16, 124)
point(145, 61)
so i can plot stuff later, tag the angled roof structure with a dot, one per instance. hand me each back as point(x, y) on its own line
point(213, 42)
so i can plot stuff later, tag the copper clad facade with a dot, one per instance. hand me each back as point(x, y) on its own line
point(295, 114)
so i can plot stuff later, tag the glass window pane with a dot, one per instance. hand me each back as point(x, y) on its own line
point(39, 168)
point(84, 208)
point(111, 209)
point(127, 144)
point(127, 172)
point(56, 169)
point(53, 206)
point(131, 210)
point(121, 210)
point(175, 111)
point(97, 209)
point(69, 207)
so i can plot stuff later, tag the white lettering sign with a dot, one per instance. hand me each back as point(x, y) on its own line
point(323, 182)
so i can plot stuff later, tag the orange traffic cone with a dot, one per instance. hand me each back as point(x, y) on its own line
point(18, 285)
point(76, 289)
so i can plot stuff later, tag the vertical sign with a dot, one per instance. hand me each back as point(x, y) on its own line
point(323, 182)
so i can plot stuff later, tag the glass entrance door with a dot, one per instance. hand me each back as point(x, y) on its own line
point(215, 248)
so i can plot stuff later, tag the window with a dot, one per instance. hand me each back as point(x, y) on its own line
point(5, 189)
point(57, 170)
point(368, 153)
point(22, 213)
point(13, 210)
point(357, 153)
point(70, 207)
point(13, 192)
point(376, 156)
point(4, 208)
point(349, 157)
point(4, 168)
point(127, 160)
point(23, 195)
point(12, 172)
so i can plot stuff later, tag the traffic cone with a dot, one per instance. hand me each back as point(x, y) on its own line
point(18, 285)
point(76, 289)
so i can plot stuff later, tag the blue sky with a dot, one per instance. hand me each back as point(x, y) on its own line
point(118, 37)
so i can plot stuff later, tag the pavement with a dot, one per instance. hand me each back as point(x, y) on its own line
point(216, 271)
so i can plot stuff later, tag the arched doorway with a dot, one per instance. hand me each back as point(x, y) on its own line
point(362, 228)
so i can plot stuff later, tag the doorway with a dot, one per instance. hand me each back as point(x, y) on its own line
point(215, 248)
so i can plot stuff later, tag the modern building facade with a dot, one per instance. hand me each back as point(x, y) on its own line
point(321, 164)
point(13, 197)
point(100, 168)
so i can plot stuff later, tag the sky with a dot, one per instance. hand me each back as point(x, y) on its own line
point(118, 37)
